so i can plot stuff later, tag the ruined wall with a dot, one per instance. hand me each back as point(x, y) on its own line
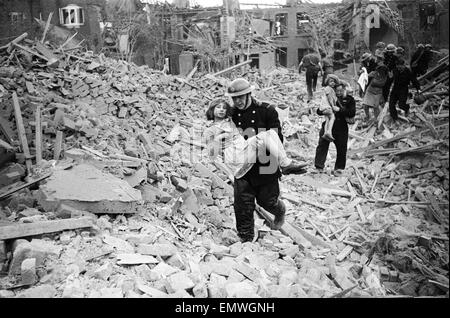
point(266, 61)
point(12, 27)
point(91, 28)
point(291, 40)
point(30, 9)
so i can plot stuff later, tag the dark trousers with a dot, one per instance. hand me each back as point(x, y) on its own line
point(340, 135)
point(400, 96)
point(245, 193)
point(387, 88)
point(311, 82)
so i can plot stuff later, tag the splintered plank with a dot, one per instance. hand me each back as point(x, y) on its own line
point(135, 259)
point(21, 131)
point(344, 253)
point(286, 229)
point(46, 26)
point(5, 145)
point(28, 229)
point(320, 185)
point(58, 145)
point(23, 186)
point(38, 135)
point(232, 68)
point(297, 199)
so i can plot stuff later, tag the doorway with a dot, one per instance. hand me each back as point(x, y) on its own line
point(281, 56)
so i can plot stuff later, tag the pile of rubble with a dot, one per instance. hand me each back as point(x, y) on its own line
point(115, 197)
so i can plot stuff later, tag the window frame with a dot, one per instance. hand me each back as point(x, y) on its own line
point(78, 18)
point(284, 27)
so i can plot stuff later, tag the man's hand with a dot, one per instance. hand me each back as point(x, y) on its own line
point(336, 109)
point(327, 112)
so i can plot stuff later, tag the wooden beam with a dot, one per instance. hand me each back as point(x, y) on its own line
point(405, 202)
point(21, 132)
point(286, 229)
point(10, 45)
point(23, 186)
point(28, 229)
point(344, 253)
point(316, 228)
point(232, 68)
point(47, 25)
point(58, 145)
point(38, 135)
point(67, 41)
point(26, 49)
point(51, 58)
point(297, 199)
point(5, 145)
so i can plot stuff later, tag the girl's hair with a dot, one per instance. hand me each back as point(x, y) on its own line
point(334, 78)
point(213, 104)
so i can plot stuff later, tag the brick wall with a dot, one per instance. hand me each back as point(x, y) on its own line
point(25, 22)
point(28, 9)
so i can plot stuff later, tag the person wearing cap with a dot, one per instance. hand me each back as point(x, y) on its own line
point(256, 180)
point(345, 109)
point(400, 52)
point(390, 60)
point(327, 67)
point(312, 64)
point(369, 62)
point(421, 59)
point(403, 76)
point(368, 65)
point(373, 97)
point(223, 139)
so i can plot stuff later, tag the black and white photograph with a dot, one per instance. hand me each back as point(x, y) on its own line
point(224, 156)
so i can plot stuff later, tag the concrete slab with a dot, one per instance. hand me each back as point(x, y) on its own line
point(86, 188)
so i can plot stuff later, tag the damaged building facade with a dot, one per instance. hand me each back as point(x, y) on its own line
point(287, 28)
point(403, 22)
point(18, 16)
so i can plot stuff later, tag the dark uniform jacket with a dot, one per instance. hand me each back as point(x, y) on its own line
point(347, 108)
point(390, 60)
point(311, 63)
point(402, 78)
point(263, 116)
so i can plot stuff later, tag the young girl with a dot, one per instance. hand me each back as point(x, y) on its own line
point(329, 103)
point(224, 139)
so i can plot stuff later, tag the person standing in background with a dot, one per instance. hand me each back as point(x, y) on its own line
point(327, 67)
point(390, 60)
point(312, 64)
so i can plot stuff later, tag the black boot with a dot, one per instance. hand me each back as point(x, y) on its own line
point(278, 221)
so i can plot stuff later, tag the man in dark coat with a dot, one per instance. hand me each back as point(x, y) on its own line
point(345, 109)
point(312, 64)
point(260, 180)
point(327, 67)
point(390, 60)
point(403, 76)
point(421, 59)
